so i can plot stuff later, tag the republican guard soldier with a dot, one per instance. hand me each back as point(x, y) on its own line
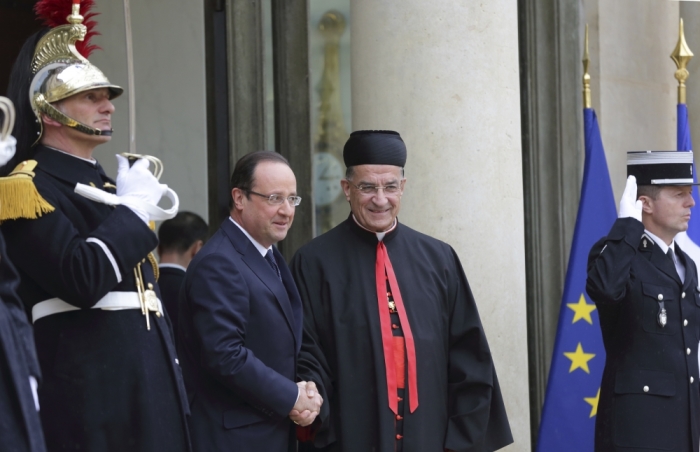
point(111, 379)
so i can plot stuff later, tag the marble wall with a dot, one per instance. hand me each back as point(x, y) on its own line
point(169, 87)
point(445, 75)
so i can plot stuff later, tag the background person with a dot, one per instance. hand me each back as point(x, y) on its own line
point(20, 426)
point(179, 239)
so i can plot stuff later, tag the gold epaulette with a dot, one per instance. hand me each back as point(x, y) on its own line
point(19, 197)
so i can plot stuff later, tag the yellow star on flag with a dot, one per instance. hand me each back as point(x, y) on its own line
point(593, 402)
point(579, 359)
point(582, 310)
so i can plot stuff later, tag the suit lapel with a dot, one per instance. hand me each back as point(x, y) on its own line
point(257, 264)
point(660, 260)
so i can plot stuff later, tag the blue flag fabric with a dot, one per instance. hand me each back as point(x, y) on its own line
point(573, 389)
point(685, 144)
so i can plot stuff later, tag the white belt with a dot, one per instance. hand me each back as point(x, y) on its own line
point(113, 301)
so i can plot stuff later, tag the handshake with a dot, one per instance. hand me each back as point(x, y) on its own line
point(308, 404)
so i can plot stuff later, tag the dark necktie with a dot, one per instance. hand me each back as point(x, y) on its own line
point(270, 258)
point(679, 268)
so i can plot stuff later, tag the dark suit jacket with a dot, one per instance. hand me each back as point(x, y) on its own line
point(650, 392)
point(239, 337)
point(169, 282)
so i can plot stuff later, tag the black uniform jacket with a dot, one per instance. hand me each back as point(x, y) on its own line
point(650, 393)
point(240, 333)
point(20, 427)
point(460, 402)
point(108, 383)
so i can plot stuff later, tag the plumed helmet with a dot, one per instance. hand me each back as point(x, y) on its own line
point(59, 68)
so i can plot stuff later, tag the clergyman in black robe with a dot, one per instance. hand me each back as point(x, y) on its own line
point(392, 336)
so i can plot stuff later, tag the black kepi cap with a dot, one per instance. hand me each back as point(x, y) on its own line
point(661, 167)
point(374, 147)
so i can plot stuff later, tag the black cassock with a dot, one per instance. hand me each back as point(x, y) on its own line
point(460, 402)
point(108, 384)
point(20, 427)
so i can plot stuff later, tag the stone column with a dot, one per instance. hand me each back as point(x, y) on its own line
point(445, 75)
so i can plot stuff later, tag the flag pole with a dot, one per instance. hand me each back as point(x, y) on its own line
point(681, 56)
point(586, 76)
point(130, 77)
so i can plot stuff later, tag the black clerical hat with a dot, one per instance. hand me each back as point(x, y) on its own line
point(661, 167)
point(374, 147)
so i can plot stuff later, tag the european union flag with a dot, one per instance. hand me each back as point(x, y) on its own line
point(689, 240)
point(573, 389)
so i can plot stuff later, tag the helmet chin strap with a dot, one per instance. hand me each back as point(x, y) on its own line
point(55, 114)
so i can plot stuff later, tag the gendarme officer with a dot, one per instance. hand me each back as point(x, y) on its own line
point(645, 289)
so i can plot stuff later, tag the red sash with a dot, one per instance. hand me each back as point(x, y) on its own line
point(384, 271)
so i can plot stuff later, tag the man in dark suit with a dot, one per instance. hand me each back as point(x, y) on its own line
point(241, 320)
point(646, 291)
point(179, 239)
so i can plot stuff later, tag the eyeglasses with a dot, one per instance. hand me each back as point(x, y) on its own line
point(278, 200)
point(389, 190)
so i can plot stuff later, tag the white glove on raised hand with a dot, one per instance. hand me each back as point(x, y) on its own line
point(136, 186)
point(630, 206)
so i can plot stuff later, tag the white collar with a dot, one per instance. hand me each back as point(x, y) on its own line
point(261, 249)
point(171, 265)
point(91, 161)
point(380, 235)
point(660, 242)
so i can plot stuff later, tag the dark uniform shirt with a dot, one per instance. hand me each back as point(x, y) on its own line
point(109, 383)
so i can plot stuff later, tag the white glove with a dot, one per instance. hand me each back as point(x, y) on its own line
point(7, 149)
point(136, 186)
point(630, 206)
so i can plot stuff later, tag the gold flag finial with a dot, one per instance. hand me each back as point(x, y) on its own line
point(586, 76)
point(681, 56)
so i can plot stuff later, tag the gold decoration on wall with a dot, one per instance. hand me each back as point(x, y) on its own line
point(331, 207)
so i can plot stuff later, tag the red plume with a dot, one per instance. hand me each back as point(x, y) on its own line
point(54, 12)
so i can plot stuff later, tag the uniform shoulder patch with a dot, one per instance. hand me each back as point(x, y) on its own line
point(19, 197)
